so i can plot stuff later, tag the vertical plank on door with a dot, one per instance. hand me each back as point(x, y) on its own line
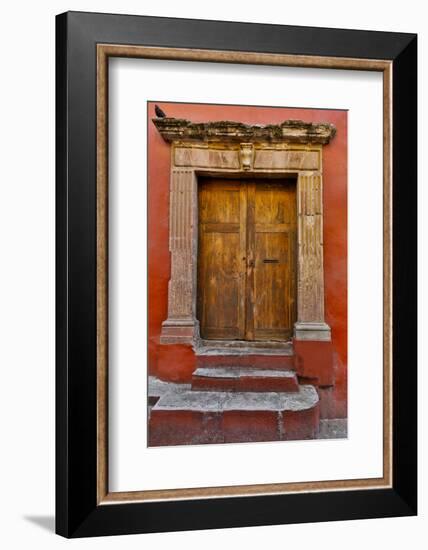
point(250, 298)
point(243, 191)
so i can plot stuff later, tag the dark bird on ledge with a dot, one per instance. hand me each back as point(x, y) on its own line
point(159, 112)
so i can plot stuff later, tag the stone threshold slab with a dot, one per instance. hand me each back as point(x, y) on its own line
point(214, 401)
point(238, 372)
point(242, 347)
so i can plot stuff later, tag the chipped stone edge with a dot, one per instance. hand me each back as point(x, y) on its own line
point(291, 131)
point(178, 398)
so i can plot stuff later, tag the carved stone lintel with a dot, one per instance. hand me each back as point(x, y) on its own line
point(291, 131)
point(205, 157)
point(247, 156)
point(271, 159)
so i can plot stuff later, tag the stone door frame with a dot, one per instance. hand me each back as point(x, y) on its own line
point(235, 150)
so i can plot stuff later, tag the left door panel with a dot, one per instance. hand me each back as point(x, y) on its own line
point(221, 259)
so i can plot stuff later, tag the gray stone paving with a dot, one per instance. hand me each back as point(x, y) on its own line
point(333, 428)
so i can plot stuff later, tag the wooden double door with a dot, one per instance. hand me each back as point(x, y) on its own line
point(247, 259)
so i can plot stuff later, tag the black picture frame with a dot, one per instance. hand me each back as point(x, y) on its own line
point(77, 512)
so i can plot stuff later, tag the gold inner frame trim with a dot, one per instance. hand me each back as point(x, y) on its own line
point(104, 51)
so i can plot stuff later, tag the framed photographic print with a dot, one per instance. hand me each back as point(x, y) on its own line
point(236, 274)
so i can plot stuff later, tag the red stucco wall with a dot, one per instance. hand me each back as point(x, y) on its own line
point(177, 362)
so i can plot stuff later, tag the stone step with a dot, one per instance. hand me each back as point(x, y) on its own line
point(189, 417)
point(243, 347)
point(285, 362)
point(244, 379)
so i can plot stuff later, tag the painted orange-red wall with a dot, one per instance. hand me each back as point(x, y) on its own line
point(177, 362)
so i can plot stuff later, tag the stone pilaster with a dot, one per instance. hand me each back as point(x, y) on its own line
point(310, 323)
point(181, 324)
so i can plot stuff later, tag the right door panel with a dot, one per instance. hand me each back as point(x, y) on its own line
point(273, 224)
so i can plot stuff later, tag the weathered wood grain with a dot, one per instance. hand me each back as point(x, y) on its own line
point(246, 263)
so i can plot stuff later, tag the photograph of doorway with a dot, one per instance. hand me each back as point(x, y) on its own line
point(247, 273)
